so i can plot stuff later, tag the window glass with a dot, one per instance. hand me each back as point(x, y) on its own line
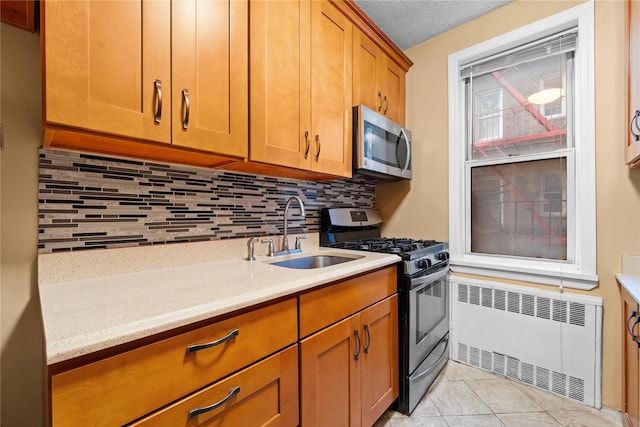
point(520, 209)
point(520, 109)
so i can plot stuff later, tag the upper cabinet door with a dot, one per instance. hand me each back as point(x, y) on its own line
point(331, 89)
point(367, 58)
point(633, 110)
point(379, 82)
point(107, 67)
point(210, 75)
point(279, 79)
point(393, 90)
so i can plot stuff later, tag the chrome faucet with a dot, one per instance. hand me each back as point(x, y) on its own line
point(285, 241)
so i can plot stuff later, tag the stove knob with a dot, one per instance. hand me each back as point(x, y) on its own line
point(442, 256)
point(424, 263)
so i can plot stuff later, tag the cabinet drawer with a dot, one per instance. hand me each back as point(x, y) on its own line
point(126, 386)
point(330, 304)
point(264, 394)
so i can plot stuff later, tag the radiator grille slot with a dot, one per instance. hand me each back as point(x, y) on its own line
point(474, 295)
point(560, 311)
point(463, 293)
point(576, 316)
point(543, 308)
point(537, 337)
point(513, 302)
point(527, 373)
point(499, 299)
point(528, 305)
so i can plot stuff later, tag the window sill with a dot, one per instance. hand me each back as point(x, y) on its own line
point(566, 277)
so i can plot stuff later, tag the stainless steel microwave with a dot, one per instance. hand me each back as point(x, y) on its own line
point(381, 147)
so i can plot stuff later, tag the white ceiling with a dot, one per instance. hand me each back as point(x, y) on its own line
point(410, 22)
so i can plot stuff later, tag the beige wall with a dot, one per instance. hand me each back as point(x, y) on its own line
point(423, 211)
point(22, 357)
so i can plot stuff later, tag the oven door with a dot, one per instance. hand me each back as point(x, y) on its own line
point(428, 314)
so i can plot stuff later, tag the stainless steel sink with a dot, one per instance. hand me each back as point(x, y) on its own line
point(315, 261)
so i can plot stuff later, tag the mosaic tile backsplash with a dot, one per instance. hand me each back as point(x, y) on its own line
point(95, 202)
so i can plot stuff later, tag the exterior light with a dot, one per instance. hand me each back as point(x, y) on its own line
point(545, 96)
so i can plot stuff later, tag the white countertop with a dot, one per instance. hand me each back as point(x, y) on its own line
point(86, 314)
point(629, 278)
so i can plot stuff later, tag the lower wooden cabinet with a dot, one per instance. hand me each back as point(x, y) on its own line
point(325, 357)
point(126, 386)
point(348, 371)
point(631, 361)
point(264, 394)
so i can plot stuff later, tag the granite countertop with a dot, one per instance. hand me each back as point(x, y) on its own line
point(95, 301)
point(629, 278)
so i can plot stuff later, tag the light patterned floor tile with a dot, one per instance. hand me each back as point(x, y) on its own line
point(418, 422)
point(584, 418)
point(473, 421)
point(549, 401)
point(456, 398)
point(456, 371)
point(528, 419)
point(502, 396)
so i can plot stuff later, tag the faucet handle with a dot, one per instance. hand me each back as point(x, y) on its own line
point(271, 248)
point(251, 248)
point(298, 243)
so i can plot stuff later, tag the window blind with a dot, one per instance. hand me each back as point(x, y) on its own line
point(548, 46)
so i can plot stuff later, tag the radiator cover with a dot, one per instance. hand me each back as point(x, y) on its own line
point(550, 340)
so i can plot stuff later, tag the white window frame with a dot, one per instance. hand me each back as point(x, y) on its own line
point(580, 272)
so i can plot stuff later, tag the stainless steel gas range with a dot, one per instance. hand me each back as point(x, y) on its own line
point(423, 294)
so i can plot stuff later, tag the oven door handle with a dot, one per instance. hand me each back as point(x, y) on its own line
point(445, 353)
point(429, 278)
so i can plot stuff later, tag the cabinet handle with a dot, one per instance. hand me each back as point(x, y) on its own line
point(198, 411)
point(317, 147)
point(633, 327)
point(187, 108)
point(368, 335)
point(631, 316)
point(307, 144)
point(229, 336)
point(356, 356)
point(634, 121)
point(386, 105)
point(379, 101)
point(158, 88)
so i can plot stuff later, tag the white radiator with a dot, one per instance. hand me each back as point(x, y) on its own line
point(550, 340)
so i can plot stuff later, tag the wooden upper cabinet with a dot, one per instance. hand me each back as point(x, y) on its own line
point(210, 75)
point(107, 67)
point(331, 90)
point(633, 76)
point(19, 13)
point(301, 86)
point(378, 81)
point(279, 78)
point(160, 71)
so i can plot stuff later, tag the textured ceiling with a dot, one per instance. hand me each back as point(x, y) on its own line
point(410, 22)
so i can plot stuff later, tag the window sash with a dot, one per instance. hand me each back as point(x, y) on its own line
point(569, 155)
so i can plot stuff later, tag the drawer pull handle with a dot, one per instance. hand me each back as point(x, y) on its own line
point(317, 147)
point(368, 343)
point(356, 356)
point(158, 88)
point(198, 411)
point(187, 109)
point(196, 347)
point(307, 144)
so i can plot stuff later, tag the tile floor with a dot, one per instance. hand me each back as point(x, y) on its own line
point(464, 396)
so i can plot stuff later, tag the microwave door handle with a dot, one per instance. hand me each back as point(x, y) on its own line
point(406, 141)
